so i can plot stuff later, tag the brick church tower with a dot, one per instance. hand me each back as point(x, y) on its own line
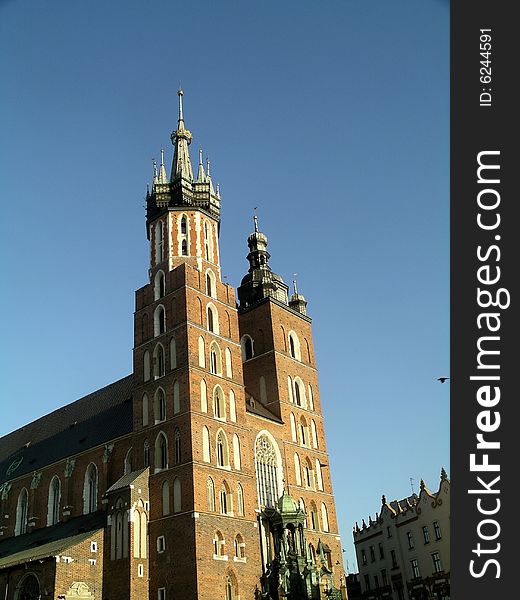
point(219, 487)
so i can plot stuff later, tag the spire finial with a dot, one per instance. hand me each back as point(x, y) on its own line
point(200, 156)
point(207, 168)
point(294, 283)
point(180, 93)
point(162, 156)
point(155, 174)
point(255, 219)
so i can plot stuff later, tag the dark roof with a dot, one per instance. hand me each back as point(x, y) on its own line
point(90, 421)
point(49, 541)
point(260, 410)
point(126, 480)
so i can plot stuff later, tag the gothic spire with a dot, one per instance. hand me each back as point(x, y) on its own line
point(181, 139)
point(201, 176)
point(163, 178)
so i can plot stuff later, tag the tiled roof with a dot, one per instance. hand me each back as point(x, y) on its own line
point(49, 541)
point(126, 480)
point(256, 408)
point(90, 421)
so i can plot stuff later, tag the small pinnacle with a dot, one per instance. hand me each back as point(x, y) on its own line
point(255, 219)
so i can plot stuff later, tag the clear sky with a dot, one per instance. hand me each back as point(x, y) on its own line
point(331, 117)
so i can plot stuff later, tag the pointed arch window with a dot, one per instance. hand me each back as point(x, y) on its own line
point(184, 225)
point(159, 406)
point(231, 587)
point(304, 432)
point(165, 498)
point(202, 352)
point(173, 354)
point(146, 454)
point(176, 397)
point(211, 494)
point(161, 452)
point(267, 466)
point(240, 548)
point(240, 500)
point(159, 242)
point(159, 285)
point(211, 286)
point(236, 452)
point(177, 495)
point(203, 396)
point(215, 359)
point(219, 403)
point(53, 507)
point(293, 428)
point(324, 518)
point(232, 406)
point(158, 361)
point(177, 446)
point(297, 469)
point(184, 248)
point(21, 513)
point(314, 433)
point(309, 475)
point(313, 521)
point(212, 316)
point(226, 504)
point(219, 544)
point(247, 347)
point(319, 476)
point(222, 450)
point(294, 346)
point(229, 364)
point(146, 366)
point(128, 466)
point(145, 410)
point(90, 489)
point(159, 320)
point(206, 456)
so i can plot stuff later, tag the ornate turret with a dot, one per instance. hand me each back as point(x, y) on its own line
point(260, 282)
point(297, 301)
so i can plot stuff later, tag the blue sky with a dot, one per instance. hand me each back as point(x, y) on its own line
point(332, 118)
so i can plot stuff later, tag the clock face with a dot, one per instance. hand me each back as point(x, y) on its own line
point(14, 465)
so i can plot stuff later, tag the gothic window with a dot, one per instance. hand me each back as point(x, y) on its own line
point(240, 500)
point(240, 548)
point(176, 398)
point(158, 288)
point(202, 353)
point(177, 495)
point(219, 403)
point(159, 320)
point(206, 240)
point(297, 469)
point(304, 432)
point(203, 396)
point(159, 242)
point(119, 532)
point(158, 361)
point(165, 498)
point(53, 508)
point(247, 347)
point(128, 467)
point(173, 354)
point(311, 399)
point(184, 225)
point(313, 520)
point(297, 394)
point(319, 476)
point(324, 518)
point(146, 366)
point(309, 475)
point(146, 454)
point(226, 503)
point(90, 489)
point(211, 287)
point(293, 428)
point(222, 450)
point(290, 389)
point(219, 544)
point(267, 466)
point(232, 406)
point(206, 457)
point(184, 248)
point(211, 494)
point(229, 368)
point(177, 446)
point(159, 406)
point(314, 434)
point(21, 513)
point(161, 452)
point(140, 531)
point(145, 410)
point(236, 452)
point(28, 588)
point(231, 587)
point(215, 359)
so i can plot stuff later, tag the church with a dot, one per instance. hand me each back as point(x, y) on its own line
point(202, 475)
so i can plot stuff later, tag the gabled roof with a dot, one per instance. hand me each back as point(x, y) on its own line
point(49, 541)
point(90, 421)
point(126, 480)
point(258, 409)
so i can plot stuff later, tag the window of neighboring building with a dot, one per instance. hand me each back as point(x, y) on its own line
point(363, 556)
point(394, 559)
point(376, 582)
point(372, 554)
point(367, 582)
point(437, 529)
point(388, 532)
point(381, 551)
point(384, 578)
point(426, 534)
point(437, 566)
point(415, 568)
point(409, 537)
point(161, 544)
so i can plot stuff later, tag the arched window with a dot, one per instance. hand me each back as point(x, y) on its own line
point(314, 433)
point(311, 398)
point(297, 469)
point(119, 532)
point(21, 513)
point(158, 287)
point(309, 475)
point(211, 494)
point(219, 403)
point(128, 466)
point(319, 476)
point(211, 286)
point(53, 505)
point(222, 449)
point(161, 452)
point(308, 350)
point(184, 225)
point(203, 396)
point(268, 470)
point(202, 353)
point(240, 548)
point(290, 389)
point(158, 361)
point(232, 406)
point(240, 500)
point(324, 518)
point(304, 432)
point(177, 436)
point(145, 410)
point(206, 456)
point(312, 554)
point(159, 320)
point(294, 346)
point(313, 519)
point(184, 248)
point(176, 398)
point(293, 428)
point(28, 588)
point(212, 317)
point(159, 406)
point(231, 587)
point(140, 531)
point(229, 364)
point(299, 393)
point(173, 354)
point(146, 454)
point(301, 504)
point(215, 359)
point(177, 495)
point(236, 452)
point(219, 547)
point(226, 503)
point(247, 347)
point(165, 498)
point(159, 242)
point(146, 366)
point(90, 489)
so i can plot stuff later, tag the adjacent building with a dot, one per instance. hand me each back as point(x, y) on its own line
point(204, 473)
point(404, 552)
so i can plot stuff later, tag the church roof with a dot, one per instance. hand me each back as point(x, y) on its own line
point(49, 541)
point(126, 480)
point(90, 421)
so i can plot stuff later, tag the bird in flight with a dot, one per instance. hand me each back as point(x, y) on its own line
point(442, 379)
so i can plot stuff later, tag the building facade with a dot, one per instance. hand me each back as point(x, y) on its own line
point(404, 552)
point(202, 475)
